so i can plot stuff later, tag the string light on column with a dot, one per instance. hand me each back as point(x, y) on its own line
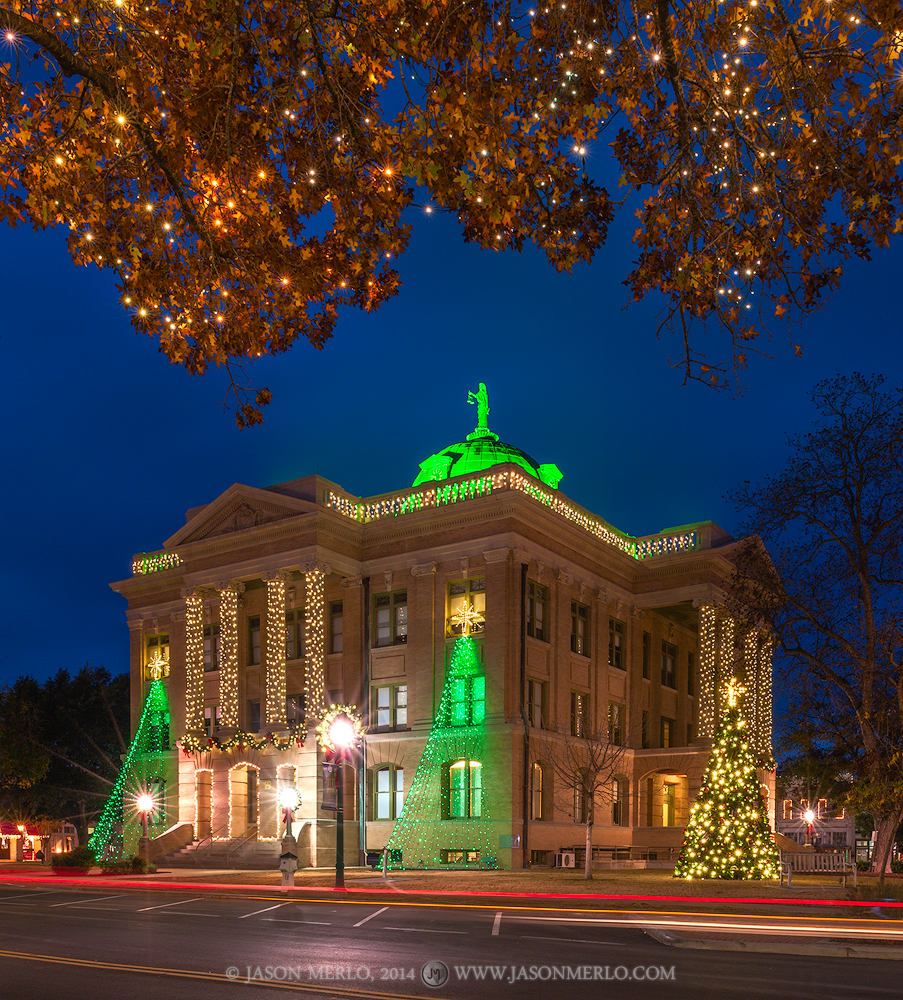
point(315, 641)
point(725, 656)
point(766, 648)
point(275, 651)
point(707, 643)
point(194, 661)
point(751, 679)
point(228, 672)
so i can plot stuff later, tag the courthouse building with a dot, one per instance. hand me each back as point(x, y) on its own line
point(269, 604)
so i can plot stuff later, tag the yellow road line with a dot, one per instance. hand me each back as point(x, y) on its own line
point(332, 990)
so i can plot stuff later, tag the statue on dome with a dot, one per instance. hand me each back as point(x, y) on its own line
point(481, 398)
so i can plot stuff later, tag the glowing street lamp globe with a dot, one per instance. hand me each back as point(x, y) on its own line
point(145, 803)
point(809, 816)
point(289, 798)
point(341, 732)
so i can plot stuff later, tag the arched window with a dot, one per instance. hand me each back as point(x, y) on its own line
point(465, 789)
point(388, 792)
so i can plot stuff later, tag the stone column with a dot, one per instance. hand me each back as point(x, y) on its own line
point(228, 673)
point(274, 656)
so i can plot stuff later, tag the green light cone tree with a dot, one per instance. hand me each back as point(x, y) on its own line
point(143, 770)
point(445, 817)
point(729, 836)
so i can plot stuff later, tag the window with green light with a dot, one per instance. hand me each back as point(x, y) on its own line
point(468, 700)
point(465, 789)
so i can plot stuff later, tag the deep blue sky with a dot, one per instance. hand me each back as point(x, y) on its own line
point(106, 444)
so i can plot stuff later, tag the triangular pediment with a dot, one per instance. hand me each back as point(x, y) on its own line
point(240, 508)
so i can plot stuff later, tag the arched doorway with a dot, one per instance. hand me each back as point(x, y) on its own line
point(244, 800)
point(203, 798)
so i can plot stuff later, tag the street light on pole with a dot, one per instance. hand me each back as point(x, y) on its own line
point(145, 804)
point(808, 816)
point(341, 735)
point(339, 731)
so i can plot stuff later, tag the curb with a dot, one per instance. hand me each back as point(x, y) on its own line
point(751, 945)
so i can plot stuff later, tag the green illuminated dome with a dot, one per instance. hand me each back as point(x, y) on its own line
point(481, 451)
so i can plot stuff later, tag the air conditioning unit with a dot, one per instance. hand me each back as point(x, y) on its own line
point(565, 859)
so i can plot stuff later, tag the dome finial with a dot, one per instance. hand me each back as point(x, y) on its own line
point(481, 398)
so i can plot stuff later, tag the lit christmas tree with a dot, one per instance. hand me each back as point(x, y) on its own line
point(729, 836)
point(143, 772)
point(445, 817)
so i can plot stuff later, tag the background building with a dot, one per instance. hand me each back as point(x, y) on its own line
point(269, 604)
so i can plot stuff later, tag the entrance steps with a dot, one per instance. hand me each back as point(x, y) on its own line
point(239, 853)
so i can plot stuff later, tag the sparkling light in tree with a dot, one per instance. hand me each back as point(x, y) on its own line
point(142, 771)
point(445, 818)
point(729, 836)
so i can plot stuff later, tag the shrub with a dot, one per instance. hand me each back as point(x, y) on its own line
point(897, 867)
point(79, 857)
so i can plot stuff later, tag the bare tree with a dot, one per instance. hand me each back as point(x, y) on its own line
point(833, 586)
point(585, 765)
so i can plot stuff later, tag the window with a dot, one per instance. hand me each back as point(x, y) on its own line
point(254, 639)
point(647, 643)
point(618, 811)
point(254, 716)
point(455, 856)
point(691, 669)
point(295, 709)
point(787, 809)
point(579, 628)
point(838, 840)
point(211, 647)
point(579, 702)
point(465, 789)
point(537, 599)
point(616, 644)
point(669, 656)
point(390, 706)
point(390, 619)
point(388, 792)
point(645, 729)
point(467, 705)
point(668, 729)
point(294, 634)
point(536, 810)
point(535, 704)
point(466, 607)
point(615, 723)
point(336, 634)
point(211, 719)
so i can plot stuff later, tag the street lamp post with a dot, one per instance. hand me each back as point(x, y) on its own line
point(288, 860)
point(342, 735)
point(808, 816)
point(145, 804)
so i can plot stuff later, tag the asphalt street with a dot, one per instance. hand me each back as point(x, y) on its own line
point(107, 942)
